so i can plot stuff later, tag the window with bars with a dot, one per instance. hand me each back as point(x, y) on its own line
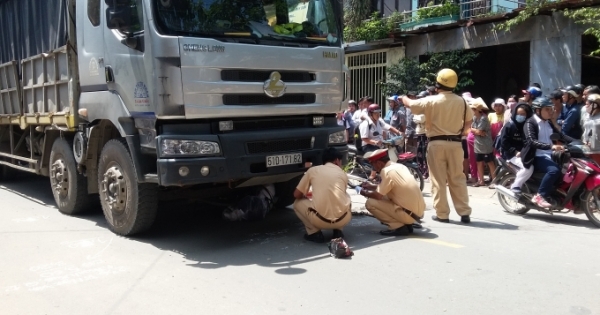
point(366, 70)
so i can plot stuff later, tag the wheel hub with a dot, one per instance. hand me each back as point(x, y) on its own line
point(60, 177)
point(114, 189)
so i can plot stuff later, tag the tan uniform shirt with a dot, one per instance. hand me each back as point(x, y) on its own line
point(400, 186)
point(445, 113)
point(329, 184)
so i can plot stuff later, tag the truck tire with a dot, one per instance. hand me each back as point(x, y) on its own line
point(129, 207)
point(285, 192)
point(68, 186)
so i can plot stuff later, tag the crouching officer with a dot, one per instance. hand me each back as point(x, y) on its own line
point(397, 202)
point(447, 120)
point(330, 205)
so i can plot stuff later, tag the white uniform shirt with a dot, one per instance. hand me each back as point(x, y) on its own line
point(420, 121)
point(356, 117)
point(543, 136)
point(373, 131)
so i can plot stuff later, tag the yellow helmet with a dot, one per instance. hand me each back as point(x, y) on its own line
point(447, 78)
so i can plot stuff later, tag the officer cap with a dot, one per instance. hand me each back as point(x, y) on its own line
point(375, 155)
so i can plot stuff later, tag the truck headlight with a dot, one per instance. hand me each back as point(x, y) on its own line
point(337, 137)
point(171, 147)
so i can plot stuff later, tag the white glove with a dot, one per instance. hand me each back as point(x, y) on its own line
point(358, 189)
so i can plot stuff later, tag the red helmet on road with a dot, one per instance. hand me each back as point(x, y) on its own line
point(374, 108)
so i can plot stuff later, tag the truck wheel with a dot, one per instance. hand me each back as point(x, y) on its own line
point(129, 207)
point(285, 192)
point(68, 186)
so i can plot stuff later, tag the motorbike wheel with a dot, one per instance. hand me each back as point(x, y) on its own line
point(507, 203)
point(356, 170)
point(591, 205)
point(417, 174)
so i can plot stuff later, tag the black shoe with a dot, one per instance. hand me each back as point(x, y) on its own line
point(401, 231)
point(465, 219)
point(435, 218)
point(315, 237)
point(416, 226)
point(337, 234)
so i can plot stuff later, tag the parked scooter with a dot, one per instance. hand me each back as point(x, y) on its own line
point(578, 191)
point(360, 167)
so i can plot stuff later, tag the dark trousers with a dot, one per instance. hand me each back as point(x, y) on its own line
point(553, 173)
point(422, 154)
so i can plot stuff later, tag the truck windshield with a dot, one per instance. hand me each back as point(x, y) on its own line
point(313, 22)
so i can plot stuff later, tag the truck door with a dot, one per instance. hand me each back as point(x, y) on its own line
point(90, 46)
point(124, 58)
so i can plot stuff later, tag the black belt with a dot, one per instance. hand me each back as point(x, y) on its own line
point(446, 138)
point(324, 219)
point(412, 215)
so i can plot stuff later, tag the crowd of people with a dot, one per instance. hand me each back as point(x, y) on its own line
point(457, 139)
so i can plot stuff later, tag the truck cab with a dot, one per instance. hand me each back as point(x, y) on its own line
point(209, 94)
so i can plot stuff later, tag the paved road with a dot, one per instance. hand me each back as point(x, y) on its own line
point(195, 263)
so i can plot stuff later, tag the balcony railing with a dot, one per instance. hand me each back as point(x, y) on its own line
point(466, 9)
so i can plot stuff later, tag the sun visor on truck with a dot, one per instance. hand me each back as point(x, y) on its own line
point(31, 27)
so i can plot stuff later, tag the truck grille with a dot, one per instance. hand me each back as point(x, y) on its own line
point(279, 146)
point(264, 75)
point(261, 124)
point(262, 99)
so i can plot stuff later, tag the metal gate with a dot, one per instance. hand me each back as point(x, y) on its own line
point(366, 70)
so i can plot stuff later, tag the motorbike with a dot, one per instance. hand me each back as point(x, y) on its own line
point(577, 191)
point(359, 169)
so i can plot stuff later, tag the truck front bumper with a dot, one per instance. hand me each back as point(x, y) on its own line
point(240, 161)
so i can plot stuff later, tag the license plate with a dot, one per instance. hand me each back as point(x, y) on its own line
point(284, 159)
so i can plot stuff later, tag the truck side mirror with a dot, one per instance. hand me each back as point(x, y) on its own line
point(118, 17)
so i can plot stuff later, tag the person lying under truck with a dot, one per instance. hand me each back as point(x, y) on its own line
point(397, 201)
point(330, 207)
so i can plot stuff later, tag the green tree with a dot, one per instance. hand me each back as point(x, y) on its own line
point(409, 75)
point(457, 60)
point(403, 77)
point(588, 16)
point(355, 12)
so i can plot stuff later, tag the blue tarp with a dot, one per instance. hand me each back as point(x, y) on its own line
point(31, 27)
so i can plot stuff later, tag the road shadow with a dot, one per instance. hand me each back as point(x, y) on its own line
point(580, 220)
point(487, 224)
point(275, 242)
point(198, 232)
point(31, 187)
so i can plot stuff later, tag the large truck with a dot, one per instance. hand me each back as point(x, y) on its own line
point(120, 102)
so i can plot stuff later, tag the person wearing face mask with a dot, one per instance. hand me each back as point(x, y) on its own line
point(512, 142)
point(538, 149)
point(591, 128)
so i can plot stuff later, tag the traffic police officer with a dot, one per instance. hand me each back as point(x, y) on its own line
point(330, 205)
point(447, 120)
point(397, 202)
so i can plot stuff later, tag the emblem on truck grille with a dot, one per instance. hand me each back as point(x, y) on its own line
point(274, 87)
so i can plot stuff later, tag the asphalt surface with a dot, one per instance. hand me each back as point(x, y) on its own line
point(194, 262)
